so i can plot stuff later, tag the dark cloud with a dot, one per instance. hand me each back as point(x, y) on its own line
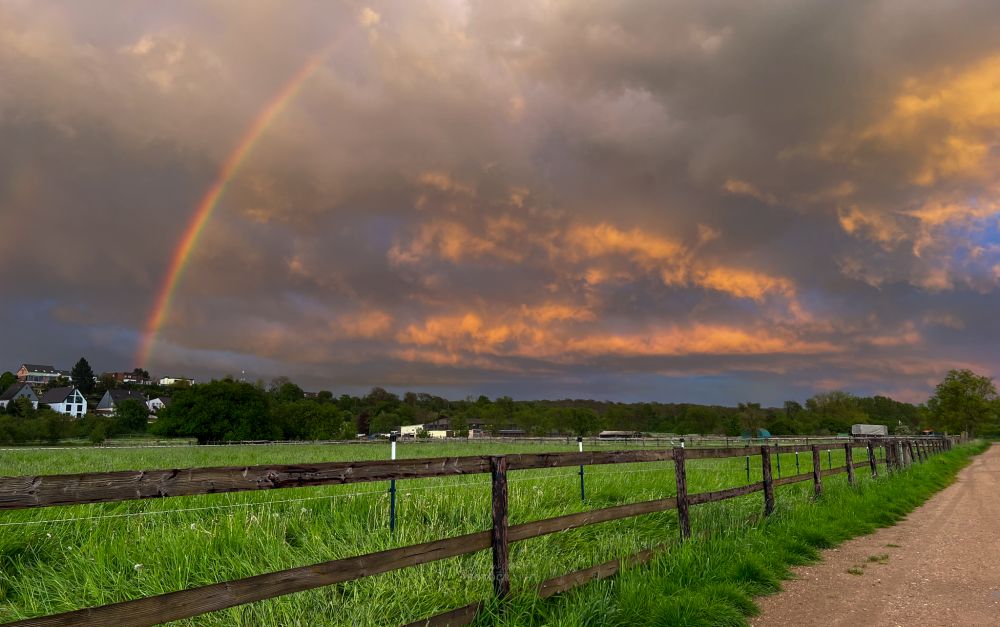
point(703, 201)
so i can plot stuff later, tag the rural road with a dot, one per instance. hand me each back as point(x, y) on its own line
point(940, 566)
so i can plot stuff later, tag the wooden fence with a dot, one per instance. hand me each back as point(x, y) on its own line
point(54, 490)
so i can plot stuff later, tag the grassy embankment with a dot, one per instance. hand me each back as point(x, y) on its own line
point(59, 559)
point(737, 554)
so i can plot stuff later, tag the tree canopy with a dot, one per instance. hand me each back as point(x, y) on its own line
point(965, 401)
point(83, 376)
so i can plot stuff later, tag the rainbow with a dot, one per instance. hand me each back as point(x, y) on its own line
point(210, 201)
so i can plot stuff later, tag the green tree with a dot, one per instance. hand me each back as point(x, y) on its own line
point(288, 392)
point(220, 410)
point(7, 379)
point(964, 401)
point(131, 416)
point(83, 376)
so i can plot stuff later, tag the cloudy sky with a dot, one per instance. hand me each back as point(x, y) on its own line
point(681, 201)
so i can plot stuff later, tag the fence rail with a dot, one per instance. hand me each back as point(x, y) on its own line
point(54, 490)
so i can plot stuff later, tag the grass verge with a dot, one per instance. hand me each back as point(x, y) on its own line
point(713, 578)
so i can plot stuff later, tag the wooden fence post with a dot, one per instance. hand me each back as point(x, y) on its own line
point(683, 519)
point(765, 468)
point(849, 457)
point(871, 458)
point(501, 548)
point(909, 449)
point(817, 478)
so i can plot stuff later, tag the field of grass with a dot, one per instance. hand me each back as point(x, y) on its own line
point(65, 558)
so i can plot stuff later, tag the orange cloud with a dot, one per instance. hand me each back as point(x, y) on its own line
point(451, 241)
point(745, 188)
point(742, 283)
point(949, 121)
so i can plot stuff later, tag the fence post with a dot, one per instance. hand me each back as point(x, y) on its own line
point(579, 441)
point(392, 488)
point(817, 479)
point(849, 458)
point(909, 449)
point(683, 519)
point(871, 458)
point(765, 471)
point(777, 456)
point(501, 548)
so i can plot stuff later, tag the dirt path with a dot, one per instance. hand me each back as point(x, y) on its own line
point(940, 566)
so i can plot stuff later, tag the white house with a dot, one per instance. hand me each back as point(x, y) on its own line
point(16, 391)
point(176, 380)
point(411, 430)
point(111, 399)
point(157, 403)
point(66, 400)
point(38, 375)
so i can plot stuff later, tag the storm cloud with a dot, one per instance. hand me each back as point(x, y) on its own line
point(687, 201)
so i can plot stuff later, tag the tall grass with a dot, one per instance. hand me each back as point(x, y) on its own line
point(737, 554)
point(64, 558)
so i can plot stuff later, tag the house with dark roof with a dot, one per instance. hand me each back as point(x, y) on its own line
point(37, 374)
point(16, 391)
point(111, 399)
point(66, 400)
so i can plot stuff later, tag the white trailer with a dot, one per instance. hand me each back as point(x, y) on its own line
point(869, 430)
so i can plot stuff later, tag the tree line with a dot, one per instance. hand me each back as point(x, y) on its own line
point(232, 410)
point(227, 409)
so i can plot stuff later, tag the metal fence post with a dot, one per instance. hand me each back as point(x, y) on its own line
point(583, 495)
point(392, 487)
point(680, 474)
point(501, 548)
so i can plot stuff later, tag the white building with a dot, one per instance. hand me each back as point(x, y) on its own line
point(157, 403)
point(410, 431)
point(176, 380)
point(66, 400)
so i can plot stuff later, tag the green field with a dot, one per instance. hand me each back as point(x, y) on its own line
point(64, 558)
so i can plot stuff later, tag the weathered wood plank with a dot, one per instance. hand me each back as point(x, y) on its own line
point(536, 528)
point(806, 476)
point(560, 584)
point(722, 495)
point(196, 601)
point(528, 461)
point(457, 617)
point(49, 490)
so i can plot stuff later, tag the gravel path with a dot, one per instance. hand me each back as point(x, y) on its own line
point(940, 566)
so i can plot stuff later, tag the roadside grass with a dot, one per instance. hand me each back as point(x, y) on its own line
point(736, 554)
